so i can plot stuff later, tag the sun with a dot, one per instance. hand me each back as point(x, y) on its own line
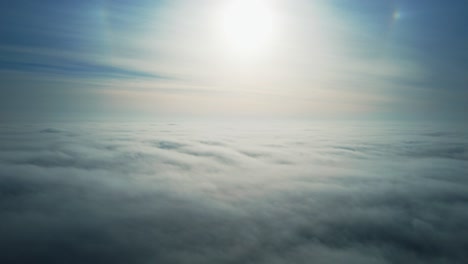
point(247, 26)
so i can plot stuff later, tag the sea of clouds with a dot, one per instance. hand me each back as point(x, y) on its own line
point(233, 193)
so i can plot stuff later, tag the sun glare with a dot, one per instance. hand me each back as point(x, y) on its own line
point(247, 25)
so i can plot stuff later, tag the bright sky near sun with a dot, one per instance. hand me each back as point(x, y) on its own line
point(363, 58)
point(248, 26)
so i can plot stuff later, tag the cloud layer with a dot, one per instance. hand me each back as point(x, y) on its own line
point(226, 193)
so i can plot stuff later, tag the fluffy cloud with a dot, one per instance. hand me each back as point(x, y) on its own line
point(180, 193)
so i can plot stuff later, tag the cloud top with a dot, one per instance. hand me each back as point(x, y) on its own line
point(144, 193)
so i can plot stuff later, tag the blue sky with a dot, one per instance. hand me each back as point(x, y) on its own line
point(324, 59)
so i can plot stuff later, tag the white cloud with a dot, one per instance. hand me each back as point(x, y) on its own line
point(226, 193)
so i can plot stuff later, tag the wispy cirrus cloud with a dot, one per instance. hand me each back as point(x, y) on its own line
point(327, 59)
